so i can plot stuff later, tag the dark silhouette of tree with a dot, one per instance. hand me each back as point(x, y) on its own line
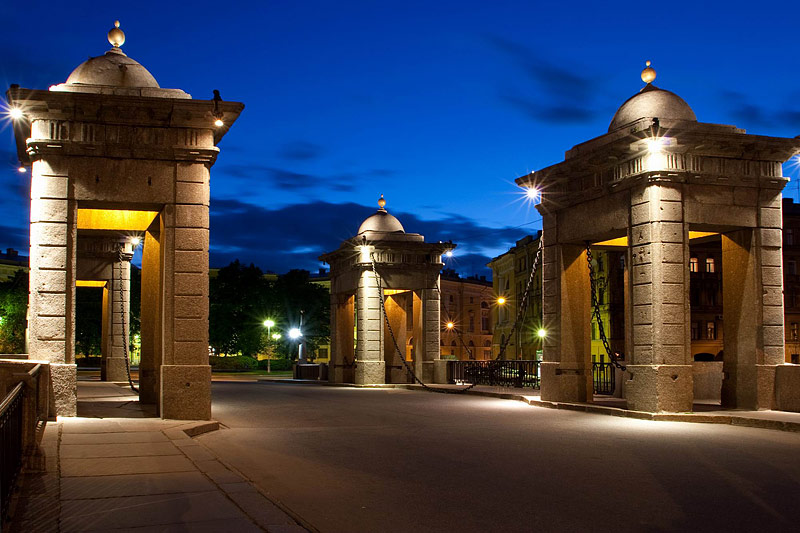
point(13, 310)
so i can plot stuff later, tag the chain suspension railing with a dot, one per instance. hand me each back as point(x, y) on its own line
point(125, 318)
point(504, 345)
point(596, 311)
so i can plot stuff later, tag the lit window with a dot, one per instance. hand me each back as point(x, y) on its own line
point(693, 264)
point(795, 331)
point(710, 265)
point(711, 331)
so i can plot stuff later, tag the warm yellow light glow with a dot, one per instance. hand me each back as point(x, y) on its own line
point(542, 333)
point(619, 241)
point(276, 336)
point(218, 123)
point(389, 292)
point(119, 220)
point(15, 113)
point(450, 325)
point(89, 283)
point(701, 234)
point(268, 323)
point(533, 193)
point(21, 169)
point(656, 159)
point(501, 301)
point(365, 255)
point(654, 145)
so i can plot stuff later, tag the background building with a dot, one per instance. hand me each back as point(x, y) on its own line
point(467, 302)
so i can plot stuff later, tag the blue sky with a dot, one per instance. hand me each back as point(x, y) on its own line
point(436, 105)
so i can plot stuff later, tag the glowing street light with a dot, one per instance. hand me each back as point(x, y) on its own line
point(541, 333)
point(501, 300)
point(533, 193)
point(269, 324)
point(135, 241)
point(21, 169)
point(450, 325)
point(15, 113)
point(219, 123)
point(449, 253)
point(295, 333)
point(276, 336)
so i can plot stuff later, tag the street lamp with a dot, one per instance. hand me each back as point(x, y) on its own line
point(501, 300)
point(268, 323)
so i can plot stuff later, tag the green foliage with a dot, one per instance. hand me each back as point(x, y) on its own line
point(13, 311)
point(233, 362)
point(88, 320)
point(275, 365)
point(241, 299)
point(239, 302)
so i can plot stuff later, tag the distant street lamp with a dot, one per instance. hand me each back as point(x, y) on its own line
point(268, 323)
point(295, 334)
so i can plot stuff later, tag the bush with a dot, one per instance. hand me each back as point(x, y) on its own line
point(87, 361)
point(234, 362)
point(275, 365)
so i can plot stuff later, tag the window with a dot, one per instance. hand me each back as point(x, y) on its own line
point(795, 331)
point(600, 265)
point(788, 234)
point(484, 305)
point(695, 331)
point(471, 300)
point(711, 331)
point(601, 296)
point(471, 322)
point(484, 323)
point(693, 264)
point(791, 267)
point(796, 358)
point(710, 265)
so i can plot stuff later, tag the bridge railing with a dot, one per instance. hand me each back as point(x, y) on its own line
point(603, 377)
point(516, 373)
point(23, 412)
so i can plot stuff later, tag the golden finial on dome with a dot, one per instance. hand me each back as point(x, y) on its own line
point(381, 202)
point(649, 73)
point(116, 36)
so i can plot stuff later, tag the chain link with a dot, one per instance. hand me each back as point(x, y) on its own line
point(520, 313)
point(596, 311)
point(125, 320)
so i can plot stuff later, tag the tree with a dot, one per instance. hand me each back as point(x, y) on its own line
point(13, 311)
point(239, 301)
point(294, 292)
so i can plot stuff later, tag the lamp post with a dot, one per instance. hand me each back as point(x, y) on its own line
point(268, 323)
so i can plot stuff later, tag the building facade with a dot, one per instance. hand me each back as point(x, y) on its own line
point(466, 303)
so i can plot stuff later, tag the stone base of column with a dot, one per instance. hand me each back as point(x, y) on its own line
point(113, 369)
point(64, 397)
point(370, 372)
point(787, 388)
point(660, 388)
point(148, 386)
point(765, 383)
point(186, 392)
point(440, 371)
point(427, 372)
point(562, 382)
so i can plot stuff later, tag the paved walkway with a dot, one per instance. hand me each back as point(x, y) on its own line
point(116, 468)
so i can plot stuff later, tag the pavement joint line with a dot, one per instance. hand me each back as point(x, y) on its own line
point(299, 520)
point(731, 419)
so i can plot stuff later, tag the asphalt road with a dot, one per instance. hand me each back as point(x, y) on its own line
point(354, 460)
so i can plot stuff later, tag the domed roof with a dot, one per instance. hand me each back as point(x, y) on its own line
point(381, 221)
point(114, 68)
point(652, 102)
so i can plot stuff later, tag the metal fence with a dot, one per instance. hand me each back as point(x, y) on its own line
point(603, 377)
point(11, 444)
point(516, 374)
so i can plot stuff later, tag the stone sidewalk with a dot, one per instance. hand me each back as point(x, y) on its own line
point(116, 469)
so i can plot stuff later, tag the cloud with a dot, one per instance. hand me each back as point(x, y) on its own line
point(564, 95)
point(300, 151)
point(294, 236)
point(752, 115)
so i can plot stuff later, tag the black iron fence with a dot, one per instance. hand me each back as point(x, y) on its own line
point(603, 377)
point(516, 374)
point(11, 444)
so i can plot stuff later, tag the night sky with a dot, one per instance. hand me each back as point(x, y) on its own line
point(437, 105)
